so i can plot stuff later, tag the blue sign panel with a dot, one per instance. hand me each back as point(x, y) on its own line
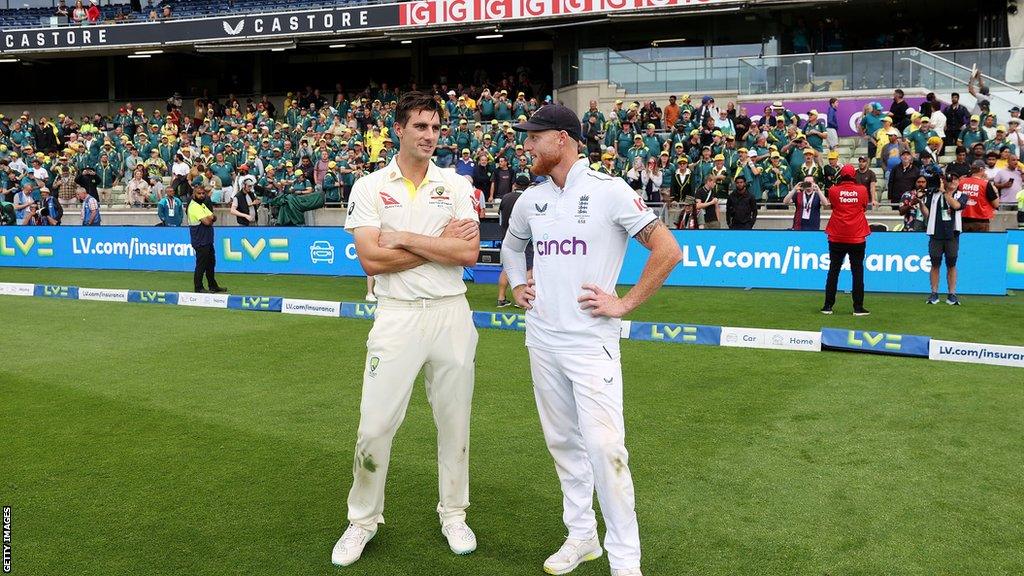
point(152, 297)
point(256, 303)
point(675, 333)
point(895, 262)
point(876, 342)
point(50, 291)
point(1014, 259)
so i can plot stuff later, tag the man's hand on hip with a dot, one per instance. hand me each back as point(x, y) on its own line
point(524, 295)
point(600, 303)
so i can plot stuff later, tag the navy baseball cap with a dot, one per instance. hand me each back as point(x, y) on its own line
point(551, 117)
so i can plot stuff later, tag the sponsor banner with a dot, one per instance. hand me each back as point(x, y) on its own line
point(255, 303)
point(447, 12)
point(1014, 259)
point(895, 262)
point(103, 294)
point(17, 289)
point(499, 320)
point(310, 307)
point(202, 300)
point(325, 251)
point(771, 339)
point(675, 333)
point(876, 342)
point(358, 310)
point(848, 114)
point(54, 291)
point(994, 354)
point(227, 28)
point(152, 297)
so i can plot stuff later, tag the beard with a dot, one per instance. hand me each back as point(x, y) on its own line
point(542, 164)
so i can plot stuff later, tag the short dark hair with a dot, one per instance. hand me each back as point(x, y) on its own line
point(740, 177)
point(961, 150)
point(954, 95)
point(415, 101)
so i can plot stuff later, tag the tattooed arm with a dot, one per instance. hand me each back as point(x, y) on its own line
point(665, 254)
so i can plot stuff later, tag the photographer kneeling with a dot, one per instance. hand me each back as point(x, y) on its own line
point(942, 209)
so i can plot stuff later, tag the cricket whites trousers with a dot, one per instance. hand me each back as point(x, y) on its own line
point(438, 336)
point(579, 400)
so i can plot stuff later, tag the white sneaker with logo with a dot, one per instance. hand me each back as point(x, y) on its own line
point(461, 538)
point(573, 553)
point(350, 546)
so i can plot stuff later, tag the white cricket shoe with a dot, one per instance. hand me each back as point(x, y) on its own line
point(370, 298)
point(627, 572)
point(573, 553)
point(350, 546)
point(461, 538)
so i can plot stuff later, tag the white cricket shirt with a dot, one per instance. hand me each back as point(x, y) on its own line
point(580, 234)
point(387, 200)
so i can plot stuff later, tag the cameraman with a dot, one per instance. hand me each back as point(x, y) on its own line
point(943, 212)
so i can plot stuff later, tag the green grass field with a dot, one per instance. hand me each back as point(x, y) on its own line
point(169, 440)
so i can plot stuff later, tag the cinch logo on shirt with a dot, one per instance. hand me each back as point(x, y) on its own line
point(568, 247)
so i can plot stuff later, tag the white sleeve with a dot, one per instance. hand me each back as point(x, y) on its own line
point(363, 207)
point(627, 209)
point(519, 223)
point(513, 247)
point(462, 200)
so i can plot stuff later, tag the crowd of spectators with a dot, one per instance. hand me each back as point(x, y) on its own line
point(89, 12)
point(689, 155)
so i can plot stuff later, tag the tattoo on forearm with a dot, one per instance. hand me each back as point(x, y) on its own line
point(644, 235)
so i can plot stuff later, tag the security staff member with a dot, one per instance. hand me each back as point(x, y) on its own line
point(200, 230)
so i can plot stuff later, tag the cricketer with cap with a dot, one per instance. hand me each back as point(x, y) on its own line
point(415, 228)
point(580, 222)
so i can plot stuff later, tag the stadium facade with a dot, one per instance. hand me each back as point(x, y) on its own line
point(699, 46)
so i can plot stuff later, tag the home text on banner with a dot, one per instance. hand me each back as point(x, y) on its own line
point(771, 339)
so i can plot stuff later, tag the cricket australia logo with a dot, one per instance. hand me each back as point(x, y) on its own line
point(541, 209)
point(374, 363)
point(583, 210)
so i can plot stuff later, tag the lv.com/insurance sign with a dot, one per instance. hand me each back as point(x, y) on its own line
point(895, 262)
point(320, 251)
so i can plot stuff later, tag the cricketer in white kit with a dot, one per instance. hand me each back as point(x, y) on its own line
point(415, 228)
point(580, 222)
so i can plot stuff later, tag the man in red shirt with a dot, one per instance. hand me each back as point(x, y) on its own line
point(847, 232)
point(982, 199)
